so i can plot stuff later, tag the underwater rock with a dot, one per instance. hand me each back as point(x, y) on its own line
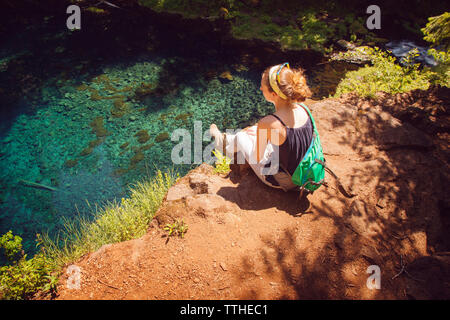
point(95, 143)
point(71, 163)
point(143, 91)
point(163, 117)
point(142, 136)
point(139, 156)
point(119, 109)
point(119, 171)
point(183, 116)
point(98, 128)
point(354, 54)
point(100, 79)
point(146, 147)
point(86, 151)
point(161, 137)
point(82, 87)
point(95, 96)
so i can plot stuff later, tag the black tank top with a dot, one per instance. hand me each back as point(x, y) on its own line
point(294, 148)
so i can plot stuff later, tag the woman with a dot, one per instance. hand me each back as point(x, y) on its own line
point(280, 138)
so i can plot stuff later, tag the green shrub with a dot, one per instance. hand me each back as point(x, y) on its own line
point(437, 30)
point(440, 74)
point(12, 245)
point(23, 277)
point(383, 75)
point(386, 75)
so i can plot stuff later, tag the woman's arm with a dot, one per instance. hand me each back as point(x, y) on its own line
point(263, 135)
point(269, 130)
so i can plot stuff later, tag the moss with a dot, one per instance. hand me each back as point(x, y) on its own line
point(142, 136)
point(308, 27)
point(98, 128)
point(71, 163)
point(161, 137)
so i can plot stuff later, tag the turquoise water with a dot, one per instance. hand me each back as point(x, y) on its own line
point(84, 126)
point(86, 113)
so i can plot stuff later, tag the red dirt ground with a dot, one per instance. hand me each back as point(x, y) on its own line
point(248, 241)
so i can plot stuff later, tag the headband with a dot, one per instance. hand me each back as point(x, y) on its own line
point(274, 77)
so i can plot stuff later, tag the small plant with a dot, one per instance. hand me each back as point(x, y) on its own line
point(177, 228)
point(222, 163)
point(23, 277)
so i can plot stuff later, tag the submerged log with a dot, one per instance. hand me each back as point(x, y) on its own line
point(36, 185)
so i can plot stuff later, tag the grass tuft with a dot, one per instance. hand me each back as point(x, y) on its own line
point(116, 222)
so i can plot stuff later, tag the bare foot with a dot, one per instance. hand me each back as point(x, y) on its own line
point(218, 137)
point(214, 131)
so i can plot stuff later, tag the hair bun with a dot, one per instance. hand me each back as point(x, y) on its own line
point(297, 86)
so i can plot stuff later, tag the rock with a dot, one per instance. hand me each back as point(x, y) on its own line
point(208, 203)
point(179, 191)
point(200, 183)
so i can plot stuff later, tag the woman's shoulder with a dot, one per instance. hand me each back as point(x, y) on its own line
point(270, 121)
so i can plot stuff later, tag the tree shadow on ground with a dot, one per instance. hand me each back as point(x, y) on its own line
point(395, 219)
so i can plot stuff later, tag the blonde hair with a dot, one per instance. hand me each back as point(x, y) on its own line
point(292, 83)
